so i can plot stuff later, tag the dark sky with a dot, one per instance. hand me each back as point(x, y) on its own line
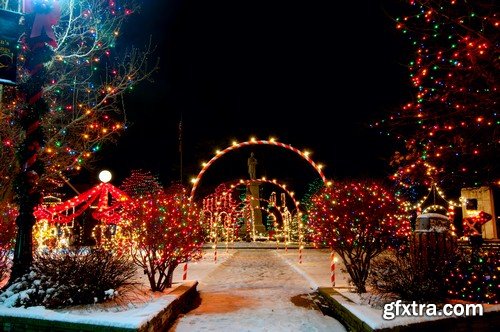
point(311, 73)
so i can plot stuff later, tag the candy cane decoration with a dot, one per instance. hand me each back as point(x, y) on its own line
point(301, 237)
point(332, 268)
point(185, 273)
point(215, 253)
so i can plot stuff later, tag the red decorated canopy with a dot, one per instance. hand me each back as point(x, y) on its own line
point(109, 199)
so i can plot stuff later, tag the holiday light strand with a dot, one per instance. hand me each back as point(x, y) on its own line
point(253, 141)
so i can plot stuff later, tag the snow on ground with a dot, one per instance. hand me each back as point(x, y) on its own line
point(256, 290)
point(131, 311)
point(253, 293)
point(316, 268)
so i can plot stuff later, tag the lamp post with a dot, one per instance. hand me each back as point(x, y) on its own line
point(38, 38)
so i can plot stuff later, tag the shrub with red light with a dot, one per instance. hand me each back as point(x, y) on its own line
point(358, 220)
point(163, 231)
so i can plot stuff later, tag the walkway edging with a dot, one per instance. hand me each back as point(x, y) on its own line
point(354, 323)
point(185, 296)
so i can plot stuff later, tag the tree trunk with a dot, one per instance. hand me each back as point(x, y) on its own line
point(170, 276)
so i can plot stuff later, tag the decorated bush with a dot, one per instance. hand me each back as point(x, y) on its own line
point(162, 231)
point(476, 276)
point(359, 220)
point(405, 276)
point(70, 277)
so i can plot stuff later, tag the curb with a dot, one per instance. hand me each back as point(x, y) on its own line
point(488, 322)
point(186, 296)
point(342, 314)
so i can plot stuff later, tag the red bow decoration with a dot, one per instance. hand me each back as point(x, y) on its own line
point(47, 14)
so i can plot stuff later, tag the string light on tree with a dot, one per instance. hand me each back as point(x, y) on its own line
point(253, 141)
point(179, 240)
point(84, 110)
point(453, 121)
point(140, 183)
point(358, 220)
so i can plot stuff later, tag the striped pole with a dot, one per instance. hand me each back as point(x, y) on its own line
point(215, 253)
point(301, 237)
point(332, 268)
point(184, 275)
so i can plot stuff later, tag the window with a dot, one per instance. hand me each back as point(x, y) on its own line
point(471, 204)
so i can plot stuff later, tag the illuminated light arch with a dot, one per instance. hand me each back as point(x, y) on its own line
point(271, 142)
point(210, 215)
point(242, 182)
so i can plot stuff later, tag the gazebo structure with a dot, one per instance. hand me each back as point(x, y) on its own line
point(104, 200)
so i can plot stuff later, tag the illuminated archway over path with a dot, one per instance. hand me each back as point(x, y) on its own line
point(235, 146)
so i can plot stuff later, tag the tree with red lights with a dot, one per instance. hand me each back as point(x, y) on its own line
point(68, 101)
point(141, 183)
point(358, 220)
point(450, 130)
point(163, 231)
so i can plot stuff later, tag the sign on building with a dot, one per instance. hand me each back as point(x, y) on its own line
point(479, 203)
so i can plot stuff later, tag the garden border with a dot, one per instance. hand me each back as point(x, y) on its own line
point(186, 296)
point(487, 322)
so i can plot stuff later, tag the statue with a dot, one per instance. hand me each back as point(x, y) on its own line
point(252, 163)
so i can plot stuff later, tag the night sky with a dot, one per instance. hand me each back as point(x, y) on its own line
point(313, 74)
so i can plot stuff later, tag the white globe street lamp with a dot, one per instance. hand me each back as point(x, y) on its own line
point(105, 176)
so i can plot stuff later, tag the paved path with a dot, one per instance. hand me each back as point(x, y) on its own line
point(255, 290)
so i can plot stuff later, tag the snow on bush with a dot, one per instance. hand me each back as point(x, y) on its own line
point(71, 277)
